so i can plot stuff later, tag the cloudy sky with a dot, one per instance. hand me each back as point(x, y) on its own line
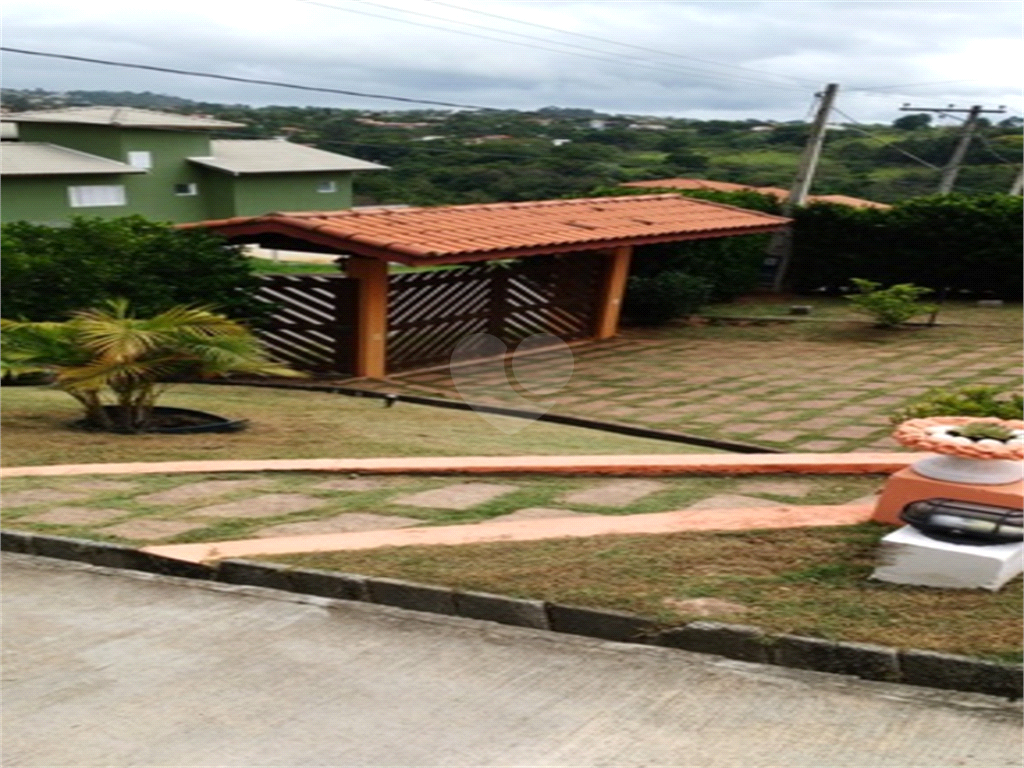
point(732, 59)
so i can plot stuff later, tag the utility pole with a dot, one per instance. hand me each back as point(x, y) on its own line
point(781, 246)
point(1018, 183)
point(949, 173)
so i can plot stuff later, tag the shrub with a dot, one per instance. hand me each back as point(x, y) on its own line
point(891, 306)
point(112, 363)
point(50, 272)
point(656, 300)
point(966, 401)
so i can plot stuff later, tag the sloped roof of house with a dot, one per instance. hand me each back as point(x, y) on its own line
point(40, 159)
point(728, 186)
point(463, 233)
point(123, 117)
point(237, 156)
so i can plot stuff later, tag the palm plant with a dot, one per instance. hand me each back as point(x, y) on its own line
point(117, 365)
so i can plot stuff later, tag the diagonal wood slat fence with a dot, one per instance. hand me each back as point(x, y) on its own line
point(314, 322)
point(430, 312)
point(313, 326)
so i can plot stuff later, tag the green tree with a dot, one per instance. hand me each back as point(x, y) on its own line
point(912, 122)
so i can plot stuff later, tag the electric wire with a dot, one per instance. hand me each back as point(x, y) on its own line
point(885, 143)
point(233, 78)
point(654, 66)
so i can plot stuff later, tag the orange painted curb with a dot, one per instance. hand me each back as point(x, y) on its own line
point(656, 464)
point(783, 516)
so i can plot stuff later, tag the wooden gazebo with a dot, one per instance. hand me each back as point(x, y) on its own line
point(592, 238)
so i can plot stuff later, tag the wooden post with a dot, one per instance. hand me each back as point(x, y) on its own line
point(372, 315)
point(613, 288)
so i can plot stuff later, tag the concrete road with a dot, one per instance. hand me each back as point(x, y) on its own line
point(114, 668)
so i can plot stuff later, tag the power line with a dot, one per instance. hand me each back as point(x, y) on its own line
point(616, 42)
point(646, 64)
point(886, 143)
point(240, 79)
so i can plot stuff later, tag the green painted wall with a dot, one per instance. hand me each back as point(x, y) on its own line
point(151, 194)
point(260, 193)
point(44, 199)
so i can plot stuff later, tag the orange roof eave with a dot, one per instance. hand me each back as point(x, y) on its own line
point(484, 232)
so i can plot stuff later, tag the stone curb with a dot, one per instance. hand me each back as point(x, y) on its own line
point(734, 641)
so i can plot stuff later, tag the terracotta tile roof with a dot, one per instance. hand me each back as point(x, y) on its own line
point(853, 202)
point(717, 186)
point(728, 186)
point(453, 234)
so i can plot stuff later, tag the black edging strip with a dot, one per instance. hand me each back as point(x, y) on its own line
point(554, 418)
point(734, 641)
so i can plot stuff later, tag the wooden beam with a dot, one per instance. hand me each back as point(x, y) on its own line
point(372, 315)
point(613, 289)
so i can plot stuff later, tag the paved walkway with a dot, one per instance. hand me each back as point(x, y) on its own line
point(799, 395)
point(138, 671)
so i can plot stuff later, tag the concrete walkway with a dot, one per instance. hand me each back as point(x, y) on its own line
point(112, 668)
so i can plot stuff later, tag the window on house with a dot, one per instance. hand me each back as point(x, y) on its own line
point(327, 186)
point(140, 159)
point(185, 190)
point(96, 196)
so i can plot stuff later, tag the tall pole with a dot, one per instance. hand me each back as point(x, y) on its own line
point(781, 245)
point(952, 168)
point(1018, 183)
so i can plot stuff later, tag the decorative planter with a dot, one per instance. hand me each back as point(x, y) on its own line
point(179, 421)
point(961, 459)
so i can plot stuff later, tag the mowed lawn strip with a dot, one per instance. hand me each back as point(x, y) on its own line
point(290, 424)
point(808, 581)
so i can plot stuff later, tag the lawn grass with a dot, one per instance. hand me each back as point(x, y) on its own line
point(291, 424)
point(807, 581)
point(270, 267)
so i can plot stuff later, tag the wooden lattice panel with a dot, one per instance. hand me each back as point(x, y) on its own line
point(313, 324)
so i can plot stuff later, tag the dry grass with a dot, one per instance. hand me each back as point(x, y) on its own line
point(809, 581)
point(288, 424)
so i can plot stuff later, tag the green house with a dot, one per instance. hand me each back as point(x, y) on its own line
point(118, 161)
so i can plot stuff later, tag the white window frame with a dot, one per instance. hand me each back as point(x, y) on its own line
point(327, 187)
point(191, 191)
point(97, 196)
point(141, 159)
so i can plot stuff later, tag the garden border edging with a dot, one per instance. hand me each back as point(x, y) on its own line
point(743, 643)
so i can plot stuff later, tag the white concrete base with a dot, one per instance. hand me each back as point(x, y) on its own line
point(907, 556)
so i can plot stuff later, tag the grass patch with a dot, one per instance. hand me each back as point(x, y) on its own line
point(807, 581)
point(291, 424)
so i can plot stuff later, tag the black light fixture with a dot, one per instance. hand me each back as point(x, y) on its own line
point(965, 522)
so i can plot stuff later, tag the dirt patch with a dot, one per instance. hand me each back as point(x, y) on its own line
point(38, 496)
point(794, 488)
point(614, 493)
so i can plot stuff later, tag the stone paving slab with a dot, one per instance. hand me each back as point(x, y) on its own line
point(461, 496)
point(732, 501)
point(75, 516)
point(207, 489)
point(32, 496)
point(101, 485)
point(147, 529)
point(265, 505)
point(613, 493)
point(539, 513)
point(794, 488)
point(346, 523)
point(353, 484)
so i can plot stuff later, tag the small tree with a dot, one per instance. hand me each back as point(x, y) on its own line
point(116, 365)
point(891, 306)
